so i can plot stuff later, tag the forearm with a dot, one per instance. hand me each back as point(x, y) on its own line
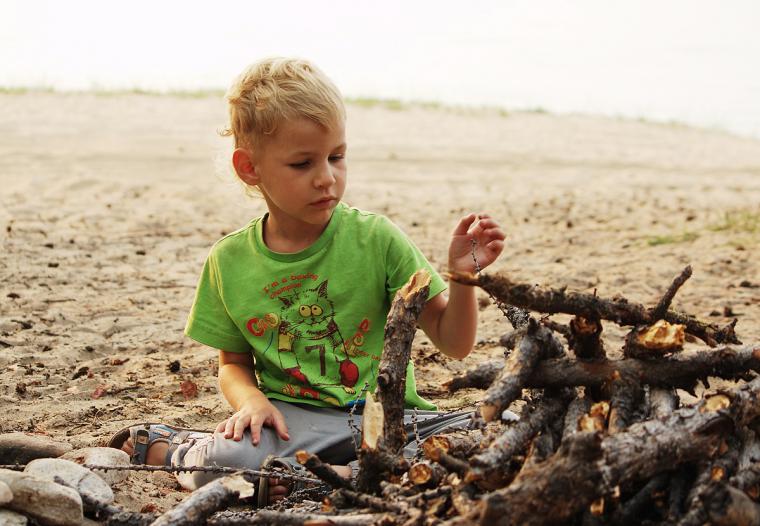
point(238, 384)
point(457, 325)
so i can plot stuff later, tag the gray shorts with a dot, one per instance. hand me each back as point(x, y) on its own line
point(323, 431)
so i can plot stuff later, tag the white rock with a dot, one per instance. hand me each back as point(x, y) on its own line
point(22, 447)
point(11, 518)
point(102, 456)
point(82, 479)
point(46, 502)
point(6, 495)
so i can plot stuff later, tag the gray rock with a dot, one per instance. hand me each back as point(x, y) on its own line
point(6, 495)
point(20, 448)
point(11, 518)
point(102, 456)
point(82, 479)
point(46, 502)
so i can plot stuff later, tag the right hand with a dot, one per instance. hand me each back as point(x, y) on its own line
point(254, 413)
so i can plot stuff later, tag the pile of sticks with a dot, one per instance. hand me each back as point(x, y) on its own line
point(598, 441)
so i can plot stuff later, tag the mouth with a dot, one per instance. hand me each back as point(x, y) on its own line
point(324, 202)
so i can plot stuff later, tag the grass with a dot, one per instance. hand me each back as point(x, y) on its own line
point(739, 221)
point(686, 237)
point(104, 92)
point(735, 222)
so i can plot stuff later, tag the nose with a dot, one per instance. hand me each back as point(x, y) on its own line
point(324, 176)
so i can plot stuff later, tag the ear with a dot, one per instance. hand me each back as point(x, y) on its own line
point(286, 301)
point(322, 289)
point(242, 161)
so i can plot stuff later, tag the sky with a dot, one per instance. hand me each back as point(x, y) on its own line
point(692, 61)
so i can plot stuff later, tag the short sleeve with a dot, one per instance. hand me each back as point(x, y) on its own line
point(403, 259)
point(209, 323)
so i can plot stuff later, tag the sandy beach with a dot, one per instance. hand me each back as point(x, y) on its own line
point(110, 203)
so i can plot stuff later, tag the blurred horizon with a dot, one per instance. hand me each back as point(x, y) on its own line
point(693, 62)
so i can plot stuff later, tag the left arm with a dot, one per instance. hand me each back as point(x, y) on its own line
point(451, 323)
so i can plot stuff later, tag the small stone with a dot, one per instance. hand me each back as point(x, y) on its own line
point(102, 456)
point(80, 478)
point(6, 495)
point(20, 448)
point(11, 518)
point(46, 502)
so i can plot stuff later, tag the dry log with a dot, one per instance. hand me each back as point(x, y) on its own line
point(371, 502)
point(629, 513)
point(382, 441)
point(479, 377)
point(323, 471)
point(559, 328)
point(577, 408)
point(585, 338)
point(680, 482)
point(718, 469)
point(625, 401)
point(680, 371)
point(391, 377)
point(727, 506)
point(458, 444)
point(453, 464)
point(596, 418)
point(538, 343)
point(663, 305)
point(426, 474)
point(280, 518)
point(662, 402)
point(550, 492)
point(584, 467)
point(748, 480)
point(619, 310)
point(492, 465)
point(206, 500)
point(654, 341)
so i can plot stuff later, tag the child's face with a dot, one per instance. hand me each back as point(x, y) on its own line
point(301, 170)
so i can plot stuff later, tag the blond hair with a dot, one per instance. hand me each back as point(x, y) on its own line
point(276, 89)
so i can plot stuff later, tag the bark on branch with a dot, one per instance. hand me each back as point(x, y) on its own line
point(383, 435)
point(619, 310)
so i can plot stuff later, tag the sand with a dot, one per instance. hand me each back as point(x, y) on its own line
point(109, 205)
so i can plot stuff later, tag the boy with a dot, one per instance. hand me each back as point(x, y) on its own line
point(296, 301)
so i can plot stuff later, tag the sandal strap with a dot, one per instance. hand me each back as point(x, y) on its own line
point(146, 436)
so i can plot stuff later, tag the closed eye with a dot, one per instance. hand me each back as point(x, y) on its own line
point(336, 158)
point(300, 165)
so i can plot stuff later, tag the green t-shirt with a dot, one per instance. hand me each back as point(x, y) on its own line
point(313, 319)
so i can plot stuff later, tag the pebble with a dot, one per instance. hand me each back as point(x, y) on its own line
point(46, 502)
point(11, 518)
point(102, 456)
point(6, 495)
point(20, 448)
point(82, 479)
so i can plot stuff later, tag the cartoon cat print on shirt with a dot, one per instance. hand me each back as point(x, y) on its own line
point(307, 329)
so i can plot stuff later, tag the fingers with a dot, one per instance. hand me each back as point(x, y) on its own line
point(463, 226)
point(279, 425)
point(255, 426)
point(220, 427)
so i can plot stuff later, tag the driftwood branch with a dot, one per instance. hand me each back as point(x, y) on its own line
point(206, 500)
point(492, 464)
point(663, 305)
point(618, 310)
point(538, 343)
point(382, 441)
point(323, 471)
point(681, 371)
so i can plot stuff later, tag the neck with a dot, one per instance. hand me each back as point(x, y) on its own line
point(290, 236)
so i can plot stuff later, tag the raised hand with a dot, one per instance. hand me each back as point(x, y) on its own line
point(489, 242)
